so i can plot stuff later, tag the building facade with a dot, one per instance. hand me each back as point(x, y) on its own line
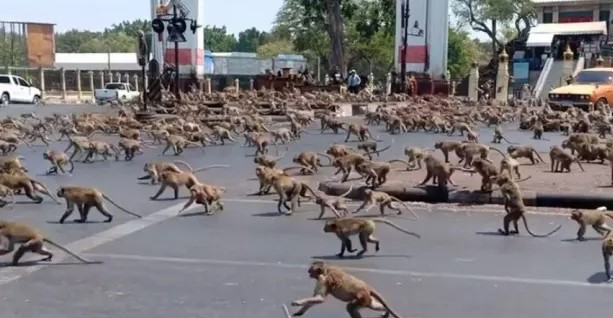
point(569, 11)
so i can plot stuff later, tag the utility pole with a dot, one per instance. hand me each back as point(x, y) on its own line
point(175, 17)
point(418, 32)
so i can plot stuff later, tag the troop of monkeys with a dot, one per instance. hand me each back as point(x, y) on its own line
point(177, 134)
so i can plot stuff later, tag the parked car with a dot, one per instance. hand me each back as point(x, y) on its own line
point(16, 89)
point(590, 86)
point(115, 91)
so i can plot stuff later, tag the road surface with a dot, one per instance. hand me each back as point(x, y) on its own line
point(248, 260)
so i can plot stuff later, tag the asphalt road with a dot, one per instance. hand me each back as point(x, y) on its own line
point(248, 260)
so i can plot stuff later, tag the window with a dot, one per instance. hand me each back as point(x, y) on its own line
point(5, 80)
point(590, 77)
point(22, 82)
point(131, 87)
point(548, 17)
point(118, 86)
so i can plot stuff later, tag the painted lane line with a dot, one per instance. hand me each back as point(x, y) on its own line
point(10, 274)
point(435, 275)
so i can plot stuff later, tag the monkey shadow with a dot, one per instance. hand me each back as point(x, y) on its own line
point(171, 199)
point(604, 186)
point(597, 278)
point(269, 214)
point(575, 240)
point(197, 213)
point(145, 183)
point(40, 262)
point(354, 257)
point(364, 216)
point(73, 222)
point(496, 233)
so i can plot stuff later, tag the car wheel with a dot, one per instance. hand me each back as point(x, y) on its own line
point(601, 100)
point(5, 99)
point(36, 100)
point(123, 97)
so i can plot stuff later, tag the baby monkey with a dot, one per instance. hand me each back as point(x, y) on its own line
point(58, 160)
point(597, 219)
point(344, 228)
point(344, 287)
point(31, 240)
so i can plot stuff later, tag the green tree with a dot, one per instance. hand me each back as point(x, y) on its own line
point(487, 16)
point(13, 50)
point(462, 51)
point(250, 39)
point(274, 48)
point(217, 39)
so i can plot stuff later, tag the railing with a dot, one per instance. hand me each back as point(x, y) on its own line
point(580, 65)
point(538, 88)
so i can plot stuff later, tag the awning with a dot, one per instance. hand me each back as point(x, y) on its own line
point(576, 28)
point(539, 39)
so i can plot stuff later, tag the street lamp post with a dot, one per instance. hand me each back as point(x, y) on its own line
point(416, 32)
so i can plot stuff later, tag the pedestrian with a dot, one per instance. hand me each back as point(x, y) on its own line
point(353, 82)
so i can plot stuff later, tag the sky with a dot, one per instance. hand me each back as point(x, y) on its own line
point(95, 15)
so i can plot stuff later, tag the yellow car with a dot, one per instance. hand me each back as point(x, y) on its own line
point(591, 85)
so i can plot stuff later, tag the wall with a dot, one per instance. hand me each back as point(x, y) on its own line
point(431, 48)
point(41, 44)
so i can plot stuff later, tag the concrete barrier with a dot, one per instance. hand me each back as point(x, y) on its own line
point(432, 194)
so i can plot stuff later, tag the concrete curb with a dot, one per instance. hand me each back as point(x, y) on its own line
point(432, 194)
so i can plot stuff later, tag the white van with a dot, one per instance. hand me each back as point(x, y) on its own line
point(16, 89)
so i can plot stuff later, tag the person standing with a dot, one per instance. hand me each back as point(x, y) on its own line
point(353, 82)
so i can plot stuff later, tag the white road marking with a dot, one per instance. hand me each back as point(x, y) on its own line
point(10, 274)
point(506, 279)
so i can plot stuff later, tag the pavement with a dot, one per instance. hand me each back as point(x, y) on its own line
point(248, 260)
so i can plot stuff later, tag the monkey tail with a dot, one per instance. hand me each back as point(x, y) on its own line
point(538, 155)
point(119, 207)
point(498, 151)
point(505, 139)
point(210, 167)
point(348, 191)
point(185, 164)
point(327, 157)
point(579, 163)
point(310, 189)
point(406, 207)
point(522, 180)
point(382, 150)
point(71, 166)
point(394, 225)
point(84, 261)
point(535, 235)
point(379, 298)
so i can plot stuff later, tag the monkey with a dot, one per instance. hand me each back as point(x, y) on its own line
point(178, 144)
point(12, 163)
point(438, 171)
point(265, 176)
point(538, 131)
point(80, 144)
point(344, 228)
point(250, 138)
point(597, 219)
point(129, 133)
point(131, 147)
point(101, 148)
point(508, 164)
point(267, 160)
point(562, 160)
point(607, 251)
point(33, 135)
point(487, 170)
point(261, 144)
point(514, 205)
point(333, 203)
point(31, 240)
point(7, 147)
point(284, 134)
point(223, 134)
point(375, 171)
point(472, 136)
point(344, 287)
point(384, 200)
point(338, 150)
point(370, 147)
point(153, 169)
point(174, 180)
point(416, 156)
point(361, 131)
point(289, 188)
point(4, 192)
point(498, 136)
point(21, 182)
point(206, 195)
point(345, 164)
point(85, 198)
point(473, 150)
point(461, 127)
point(310, 160)
point(522, 151)
point(58, 160)
point(447, 146)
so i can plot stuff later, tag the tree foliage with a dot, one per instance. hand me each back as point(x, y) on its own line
point(480, 15)
point(274, 48)
point(462, 51)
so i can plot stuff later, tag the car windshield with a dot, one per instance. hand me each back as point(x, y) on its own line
point(594, 77)
point(114, 86)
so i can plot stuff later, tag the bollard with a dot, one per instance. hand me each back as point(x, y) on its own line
point(91, 84)
point(126, 78)
point(237, 85)
point(388, 83)
point(207, 84)
point(326, 79)
point(371, 82)
point(136, 82)
point(109, 77)
point(101, 79)
point(251, 84)
point(79, 92)
point(41, 75)
point(118, 77)
point(63, 83)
